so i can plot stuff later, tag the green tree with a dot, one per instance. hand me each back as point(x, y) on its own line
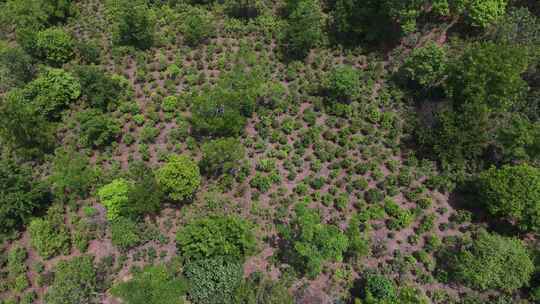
point(426, 66)
point(198, 25)
point(259, 289)
point(179, 177)
point(312, 242)
point(16, 67)
point(483, 83)
point(55, 46)
point(493, 262)
point(222, 110)
point(380, 287)
point(50, 236)
point(488, 73)
point(144, 195)
point(21, 195)
point(221, 155)
point(23, 128)
point(512, 192)
point(243, 8)
point(343, 83)
point(304, 30)
point(72, 175)
point(214, 280)
point(135, 24)
point(153, 285)
point(114, 197)
point(374, 19)
point(214, 236)
point(125, 233)
point(98, 88)
point(519, 26)
point(96, 128)
point(52, 92)
point(482, 13)
point(75, 281)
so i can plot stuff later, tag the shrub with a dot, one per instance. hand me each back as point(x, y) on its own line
point(75, 281)
point(214, 236)
point(221, 155)
point(493, 262)
point(512, 192)
point(55, 46)
point(114, 197)
point(213, 281)
point(153, 285)
point(97, 129)
point(198, 25)
point(125, 233)
point(179, 177)
point(50, 236)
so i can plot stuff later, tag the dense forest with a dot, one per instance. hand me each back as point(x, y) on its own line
point(269, 151)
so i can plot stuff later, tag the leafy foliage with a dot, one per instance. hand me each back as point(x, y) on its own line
point(98, 89)
point(481, 13)
point(23, 128)
point(97, 128)
point(483, 82)
point(52, 92)
point(493, 262)
point(55, 46)
point(144, 195)
point(72, 176)
point(50, 236)
point(216, 236)
point(426, 65)
point(221, 155)
point(343, 83)
point(179, 177)
point(114, 197)
point(214, 280)
point(222, 110)
point(134, 24)
point(313, 242)
point(512, 192)
point(304, 30)
point(197, 25)
point(20, 195)
point(75, 281)
point(257, 289)
point(125, 233)
point(153, 285)
point(16, 67)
